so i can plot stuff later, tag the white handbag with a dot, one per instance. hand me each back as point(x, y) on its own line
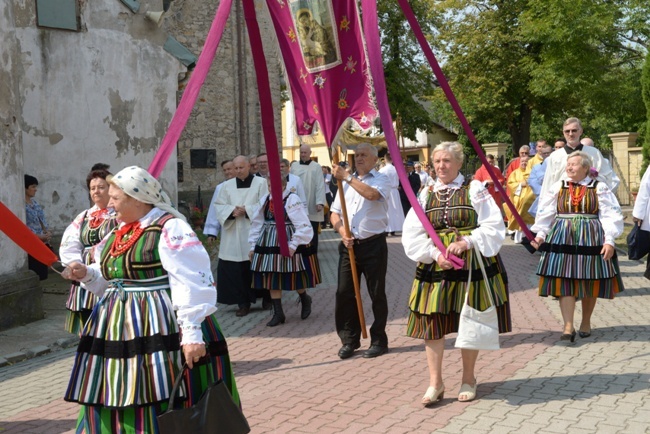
point(478, 330)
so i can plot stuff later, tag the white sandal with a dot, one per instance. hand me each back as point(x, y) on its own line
point(468, 391)
point(433, 396)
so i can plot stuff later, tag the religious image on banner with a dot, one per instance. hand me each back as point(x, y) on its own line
point(315, 28)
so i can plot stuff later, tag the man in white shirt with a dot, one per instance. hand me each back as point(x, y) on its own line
point(572, 131)
point(365, 197)
point(212, 226)
point(236, 204)
point(311, 175)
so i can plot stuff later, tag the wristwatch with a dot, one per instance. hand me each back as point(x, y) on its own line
point(348, 179)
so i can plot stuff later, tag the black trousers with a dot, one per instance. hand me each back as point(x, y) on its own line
point(234, 283)
point(372, 262)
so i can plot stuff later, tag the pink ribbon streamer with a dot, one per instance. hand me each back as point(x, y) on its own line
point(371, 30)
point(191, 93)
point(268, 124)
point(408, 12)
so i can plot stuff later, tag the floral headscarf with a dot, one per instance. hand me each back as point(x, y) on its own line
point(140, 185)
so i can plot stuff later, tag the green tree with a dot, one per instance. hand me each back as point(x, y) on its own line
point(409, 79)
point(520, 67)
point(645, 84)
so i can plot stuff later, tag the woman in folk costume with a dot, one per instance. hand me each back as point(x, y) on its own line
point(86, 230)
point(273, 271)
point(577, 222)
point(463, 215)
point(156, 311)
point(522, 197)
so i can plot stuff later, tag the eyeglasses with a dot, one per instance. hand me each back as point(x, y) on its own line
point(571, 131)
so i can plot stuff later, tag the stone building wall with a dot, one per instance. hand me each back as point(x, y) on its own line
point(12, 192)
point(105, 93)
point(226, 117)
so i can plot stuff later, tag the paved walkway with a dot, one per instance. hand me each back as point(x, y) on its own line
point(292, 381)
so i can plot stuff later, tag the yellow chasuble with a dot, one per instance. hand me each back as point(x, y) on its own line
point(522, 198)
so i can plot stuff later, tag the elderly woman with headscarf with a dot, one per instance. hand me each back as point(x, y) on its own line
point(576, 224)
point(86, 230)
point(156, 311)
point(464, 215)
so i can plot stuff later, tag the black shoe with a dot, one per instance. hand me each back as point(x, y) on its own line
point(278, 314)
point(305, 300)
point(266, 303)
point(569, 337)
point(375, 351)
point(584, 334)
point(347, 350)
point(243, 311)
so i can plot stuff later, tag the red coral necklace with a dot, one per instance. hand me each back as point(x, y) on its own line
point(576, 193)
point(125, 238)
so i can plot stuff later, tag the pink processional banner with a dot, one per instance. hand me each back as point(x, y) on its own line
point(322, 47)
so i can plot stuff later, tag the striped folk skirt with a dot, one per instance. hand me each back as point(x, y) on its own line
point(571, 263)
point(128, 358)
point(79, 304)
point(438, 295)
point(271, 270)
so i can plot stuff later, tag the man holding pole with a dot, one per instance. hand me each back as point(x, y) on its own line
point(363, 249)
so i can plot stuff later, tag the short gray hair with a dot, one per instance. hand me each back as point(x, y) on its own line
point(454, 148)
point(585, 159)
point(373, 150)
point(572, 121)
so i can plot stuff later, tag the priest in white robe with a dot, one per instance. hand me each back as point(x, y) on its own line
point(556, 162)
point(395, 212)
point(311, 175)
point(212, 227)
point(237, 202)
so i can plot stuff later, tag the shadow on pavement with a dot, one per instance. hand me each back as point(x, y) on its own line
point(41, 426)
point(633, 292)
point(560, 388)
point(621, 333)
point(252, 367)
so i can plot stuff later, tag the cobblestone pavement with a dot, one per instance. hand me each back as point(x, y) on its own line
point(291, 379)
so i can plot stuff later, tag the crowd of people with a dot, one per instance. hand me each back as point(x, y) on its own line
point(140, 274)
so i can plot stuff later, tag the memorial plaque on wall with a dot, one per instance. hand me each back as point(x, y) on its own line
point(203, 158)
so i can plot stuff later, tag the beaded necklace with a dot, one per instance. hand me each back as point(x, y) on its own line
point(125, 238)
point(446, 195)
point(576, 193)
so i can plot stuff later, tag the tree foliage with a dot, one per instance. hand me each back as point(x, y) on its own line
point(409, 79)
point(520, 67)
point(645, 84)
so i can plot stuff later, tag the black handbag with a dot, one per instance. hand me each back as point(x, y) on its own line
point(215, 412)
point(638, 242)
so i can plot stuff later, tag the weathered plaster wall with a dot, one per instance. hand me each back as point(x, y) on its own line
point(12, 193)
point(105, 94)
point(227, 114)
